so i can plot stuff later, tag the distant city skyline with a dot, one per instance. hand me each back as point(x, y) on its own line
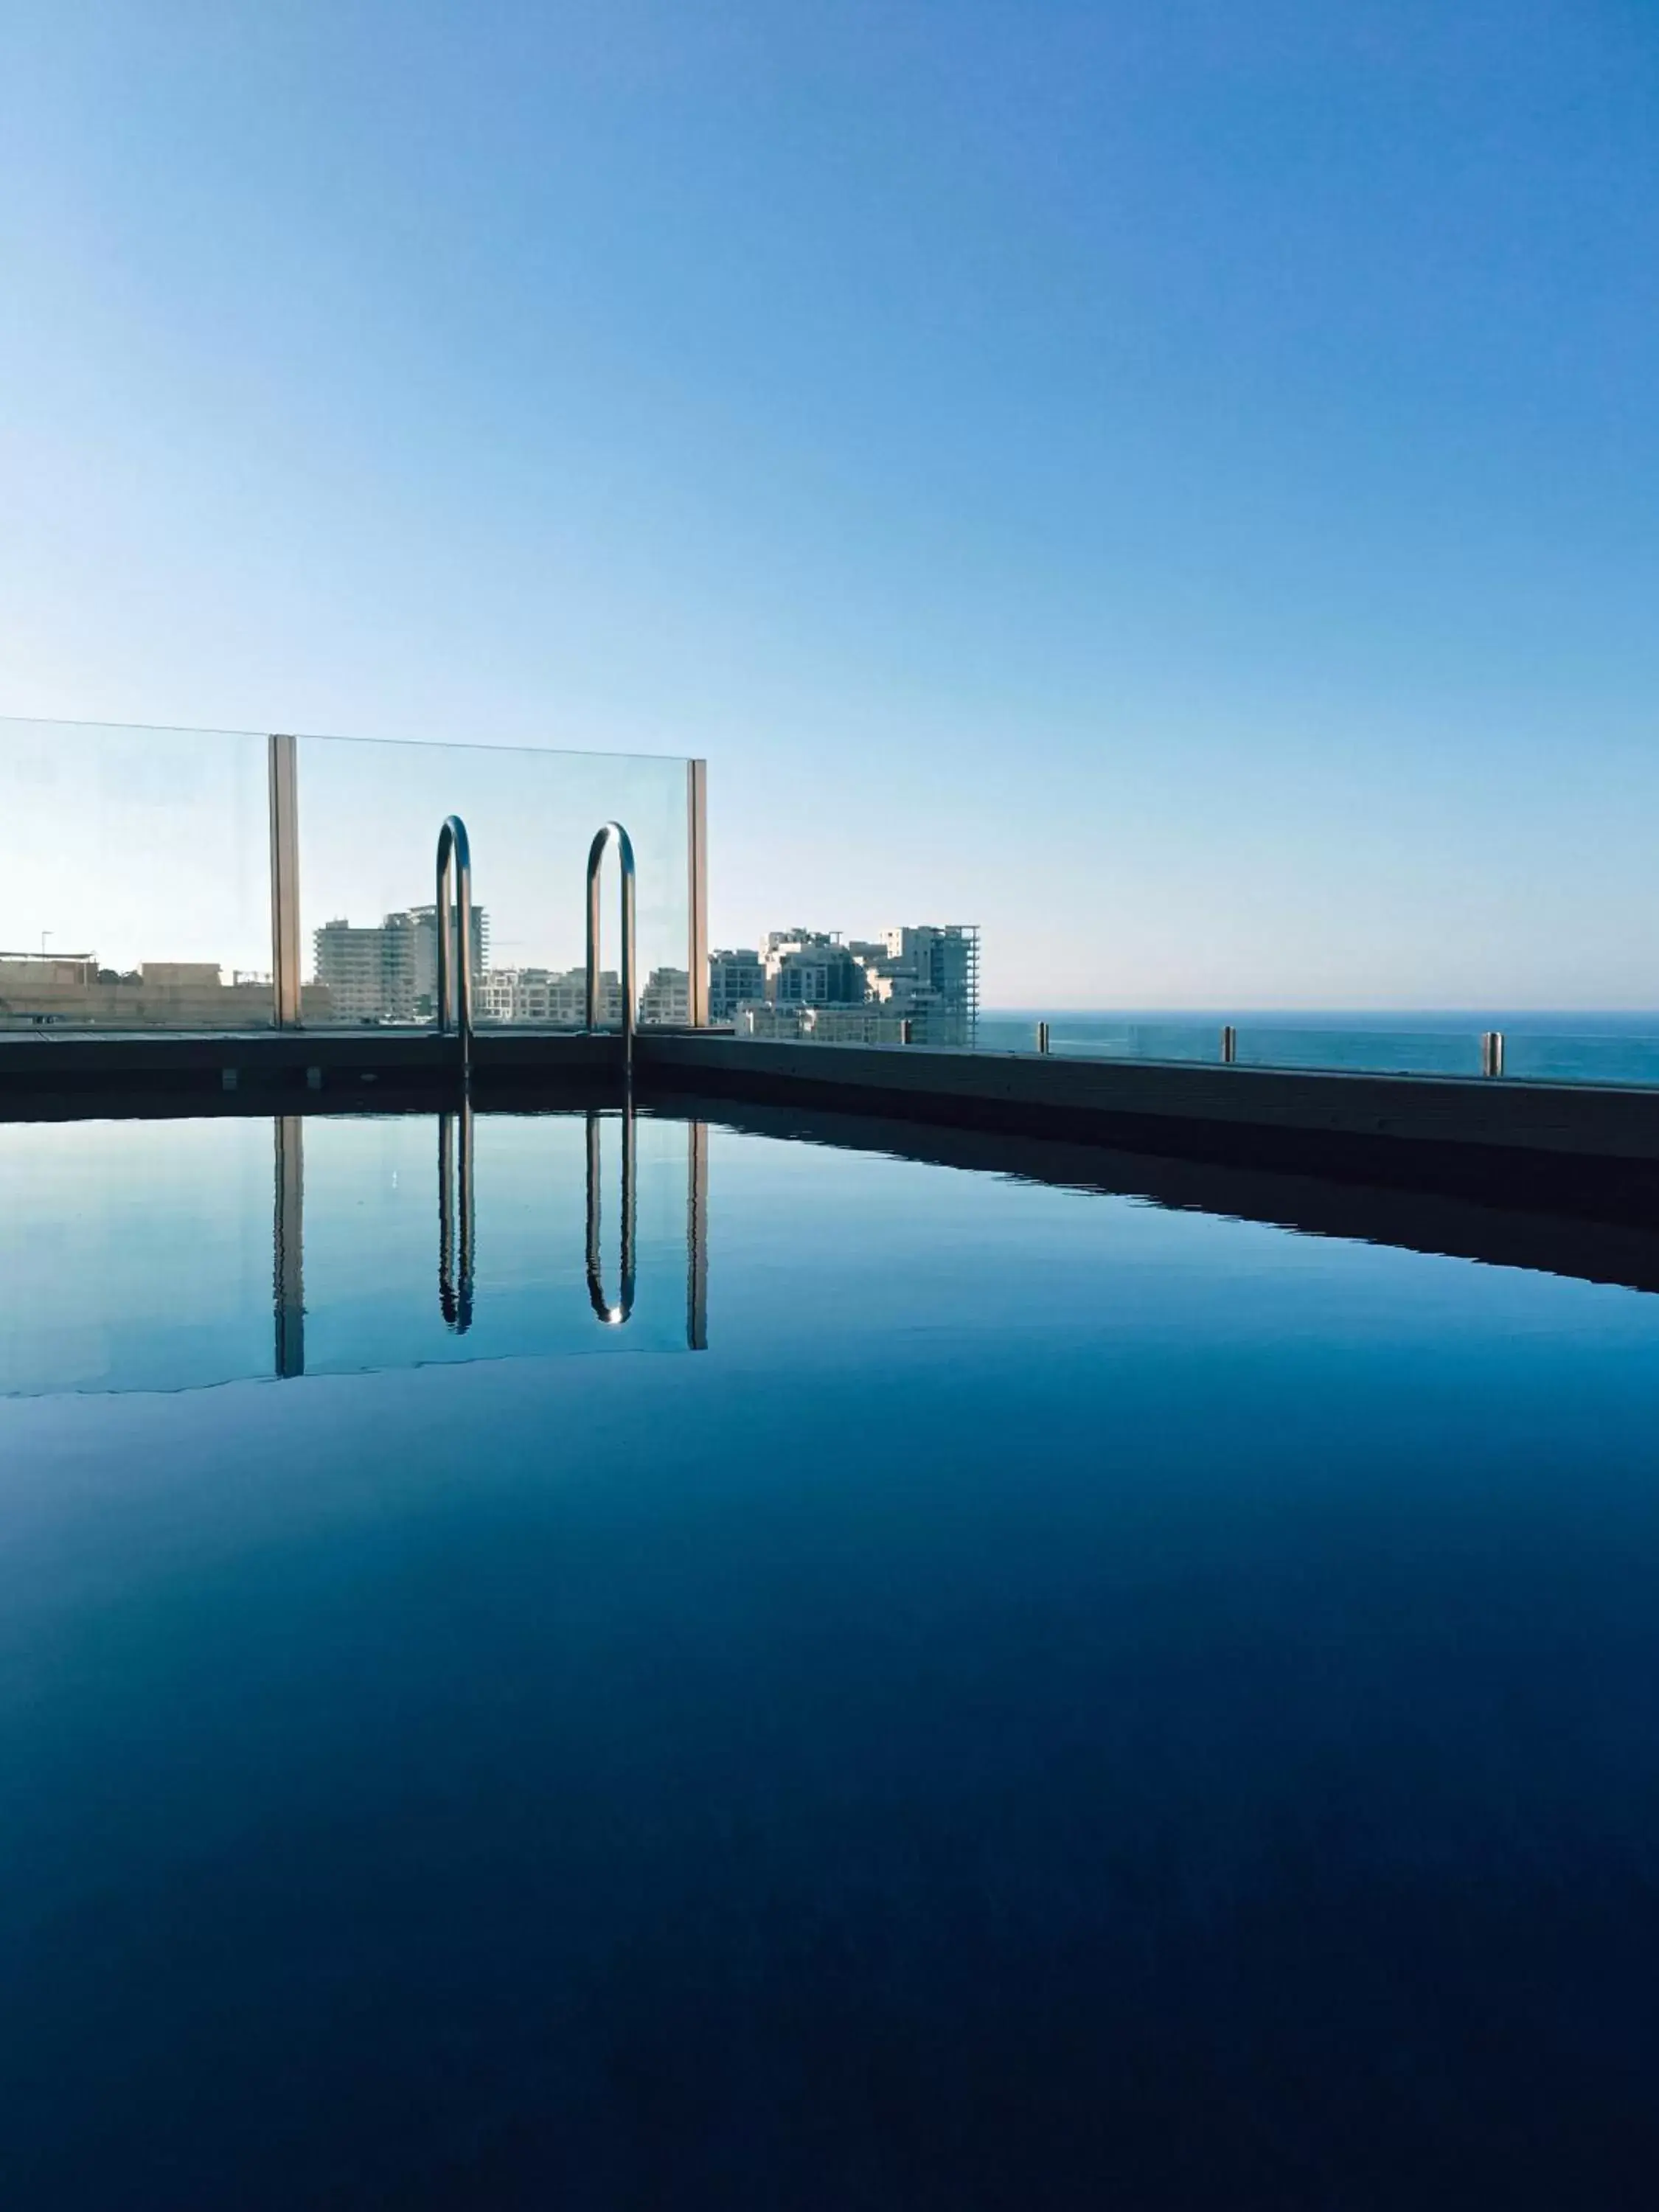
point(1174, 483)
point(916, 983)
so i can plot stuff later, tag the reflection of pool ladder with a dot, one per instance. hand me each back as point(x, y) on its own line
point(697, 1229)
point(612, 833)
point(455, 859)
point(455, 1270)
point(611, 1316)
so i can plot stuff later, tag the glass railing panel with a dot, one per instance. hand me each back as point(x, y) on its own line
point(1561, 1056)
point(1361, 1050)
point(135, 892)
point(1102, 1036)
point(1312, 1045)
point(176, 1254)
point(369, 814)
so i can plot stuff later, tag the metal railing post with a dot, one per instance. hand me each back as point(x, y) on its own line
point(1229, 1046)
point(1492, 1052)
point(455, 857)
point(284, 809)
point(624, 844)
point(697, 881)
point(1042, 1037)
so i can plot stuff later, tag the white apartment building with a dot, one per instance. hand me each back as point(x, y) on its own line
point(389, 972)
point(927, 974)
point(557, 997)
point(369, 972)
point(930, 973)
point(666, 998)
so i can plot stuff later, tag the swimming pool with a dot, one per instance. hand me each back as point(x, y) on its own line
point(971, 1692)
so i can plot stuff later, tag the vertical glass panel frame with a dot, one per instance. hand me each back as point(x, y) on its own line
point(137, 889)
point(369, 814)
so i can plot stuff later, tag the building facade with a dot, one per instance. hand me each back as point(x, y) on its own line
point(369, 973)
point(557, 997)
point(810, 968)
point(666, 999)
point(925, 974)
point(735, 978)
point(41, 993)
point(389, 972)
point(423, 921)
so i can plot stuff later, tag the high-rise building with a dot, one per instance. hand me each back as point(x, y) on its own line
point(930, 973)
point(369, 972)
point(424, 922)
point(389, 973)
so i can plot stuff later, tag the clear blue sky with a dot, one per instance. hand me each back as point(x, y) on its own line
point(1177, 481)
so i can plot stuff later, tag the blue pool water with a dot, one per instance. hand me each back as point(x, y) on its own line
point(985, 1694)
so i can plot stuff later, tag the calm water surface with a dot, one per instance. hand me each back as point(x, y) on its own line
point(1004, 1696)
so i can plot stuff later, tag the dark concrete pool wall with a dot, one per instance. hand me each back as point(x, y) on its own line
point(1580, 1150)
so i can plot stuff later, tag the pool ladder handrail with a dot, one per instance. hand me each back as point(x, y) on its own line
point(612, 832)
point(455, 860)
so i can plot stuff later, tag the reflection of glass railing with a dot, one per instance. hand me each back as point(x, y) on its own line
point(457, 1291)
point(221, 881)
point(1553, 1054)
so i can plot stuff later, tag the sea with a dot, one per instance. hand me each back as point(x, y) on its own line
point(1617, 1048)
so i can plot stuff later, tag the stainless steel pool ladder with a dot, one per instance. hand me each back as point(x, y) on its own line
point(612, 833)
point(455, 977)
point(611, 1316)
